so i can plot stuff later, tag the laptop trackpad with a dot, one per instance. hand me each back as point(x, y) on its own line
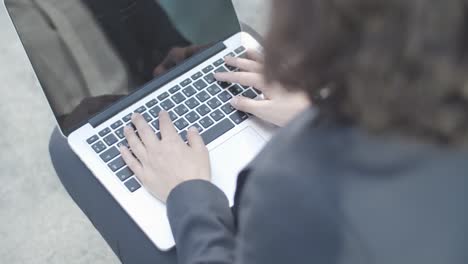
point(229, 158)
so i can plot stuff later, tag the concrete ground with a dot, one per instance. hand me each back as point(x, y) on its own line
point(39, 223)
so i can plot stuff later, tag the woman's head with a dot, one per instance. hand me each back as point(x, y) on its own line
point(394, 66)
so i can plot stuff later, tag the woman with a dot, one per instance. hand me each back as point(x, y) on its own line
point(379, 177)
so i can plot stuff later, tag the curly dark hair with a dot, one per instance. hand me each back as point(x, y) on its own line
point(392, 66)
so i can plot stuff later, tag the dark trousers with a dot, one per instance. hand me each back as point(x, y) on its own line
point(125, 238)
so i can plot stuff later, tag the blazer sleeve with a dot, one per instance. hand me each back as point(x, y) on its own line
point(202, 223)
point(283, 218)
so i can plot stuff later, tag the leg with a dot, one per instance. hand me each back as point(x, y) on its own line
point(125, 238)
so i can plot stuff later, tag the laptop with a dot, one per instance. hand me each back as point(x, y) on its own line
point(99, 61)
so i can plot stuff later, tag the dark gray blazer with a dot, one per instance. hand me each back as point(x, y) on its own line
point(330, 194)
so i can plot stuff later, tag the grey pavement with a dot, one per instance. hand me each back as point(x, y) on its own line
point(39, 223)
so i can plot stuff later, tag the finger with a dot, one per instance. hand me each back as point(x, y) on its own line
point(242, 78)
point(144, 130)
point(131, 161)
point(248, 105)
point(135, 143)
point(194, 139)
point(256, 56)
point(168, 130)
point(244, 64)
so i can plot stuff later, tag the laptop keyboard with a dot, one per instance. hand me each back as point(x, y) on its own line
point(199, 101)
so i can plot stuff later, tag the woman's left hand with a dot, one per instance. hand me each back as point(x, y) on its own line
point(162, 164)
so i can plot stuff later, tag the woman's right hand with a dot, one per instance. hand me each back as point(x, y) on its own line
point(278, 105)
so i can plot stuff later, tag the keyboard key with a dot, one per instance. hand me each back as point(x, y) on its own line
point(197, 76)
point(117, 164)
point(214, 89)
point(231, 68)
point(132, 185)
point(167, 105)
point(155, 111)
point(178, 98)
point(127, 118)
point(104, 132)
point(120, 132)
point(217, 115)
point(192, 103)
point(109, 154)
point(110, 140)
point(181, 110)
point(116, 124)
point(200, 85)
point(99, 147)
point(216, 131)
point(230, 54)
point(224, 85)
point(174, 89)
point(257, 91)
point(227, 108)
point(208, 69)
point(225, 96)
point(147, 117)
point(203, 110)
point(181, 123)
point(158, 135)
point(186, 82)
point(123, 143)
point(221, 69)
point(210, 78)
point(173, 116)
point(203, 96)
point(192, 117)
point(214, 103)
point(92, 139)
point(183, 135)
point(198, 127)
point(239, 117)
point(236, 90)
point(163, 96)
point(239, 50)
point(219, 62)
point(151, 103)
point(124, 174)
point(250, 94)
point(140, 109)
point(206, 122)
point(189, 91)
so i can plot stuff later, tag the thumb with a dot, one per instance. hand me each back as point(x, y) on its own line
point(245, 104)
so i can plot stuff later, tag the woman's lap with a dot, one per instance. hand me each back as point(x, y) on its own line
point(125, 238)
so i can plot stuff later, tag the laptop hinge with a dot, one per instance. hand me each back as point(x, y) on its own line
point(156, 84)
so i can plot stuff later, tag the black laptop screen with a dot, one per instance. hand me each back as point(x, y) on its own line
point(88, 54)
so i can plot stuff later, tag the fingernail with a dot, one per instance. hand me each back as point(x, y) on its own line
point(193, 129)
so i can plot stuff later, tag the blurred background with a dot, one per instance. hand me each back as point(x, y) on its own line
point(39, 223)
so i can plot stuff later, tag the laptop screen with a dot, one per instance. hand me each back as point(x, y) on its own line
point(88, 54)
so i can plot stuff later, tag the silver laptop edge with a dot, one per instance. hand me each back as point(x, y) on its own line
point(140, 203)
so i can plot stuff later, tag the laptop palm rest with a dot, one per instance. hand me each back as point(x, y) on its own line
point(229, 158)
